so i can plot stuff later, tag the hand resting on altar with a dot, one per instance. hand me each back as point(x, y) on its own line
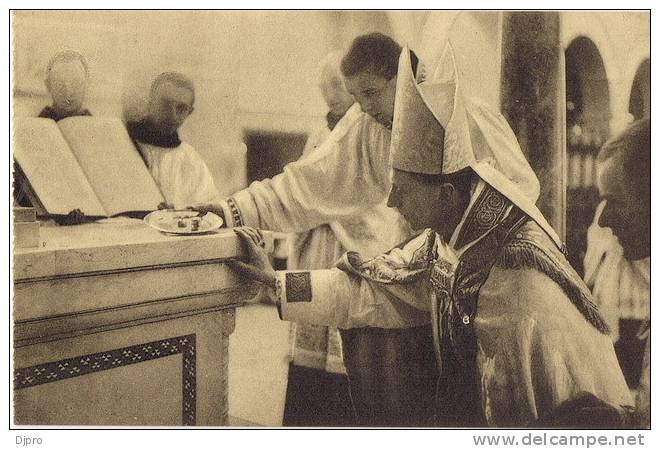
point(258, 267)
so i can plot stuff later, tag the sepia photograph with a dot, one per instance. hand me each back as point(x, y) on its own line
point(330, 219)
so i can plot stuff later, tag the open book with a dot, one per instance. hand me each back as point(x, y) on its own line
point(86, 163)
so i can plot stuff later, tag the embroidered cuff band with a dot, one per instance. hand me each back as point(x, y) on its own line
point(236, 217)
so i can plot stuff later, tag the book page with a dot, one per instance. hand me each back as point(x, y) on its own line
point(51, 168)
point(113, 165)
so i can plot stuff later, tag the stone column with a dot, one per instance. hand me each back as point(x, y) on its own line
point(533, 101)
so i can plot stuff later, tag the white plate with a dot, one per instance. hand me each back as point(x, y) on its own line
point(181, 221)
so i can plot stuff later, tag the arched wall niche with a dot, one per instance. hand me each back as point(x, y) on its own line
point(587, 90)
point(587, 127)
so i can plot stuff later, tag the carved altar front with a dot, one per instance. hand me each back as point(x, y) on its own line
point(118, 324)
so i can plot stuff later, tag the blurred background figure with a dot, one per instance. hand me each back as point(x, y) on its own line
point(178, 169)
point(66, 81)
point(600, 103)
point(317, 391)
point(619, 257)
point(335, 95)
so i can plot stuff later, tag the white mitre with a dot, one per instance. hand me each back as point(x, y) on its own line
point(437, 131)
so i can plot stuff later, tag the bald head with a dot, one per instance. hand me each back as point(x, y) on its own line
point(628, 155)
point(624, 166)
point(67, 82)
point(332, 85)
point(175, 78)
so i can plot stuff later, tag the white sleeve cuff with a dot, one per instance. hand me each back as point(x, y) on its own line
point(304, 298)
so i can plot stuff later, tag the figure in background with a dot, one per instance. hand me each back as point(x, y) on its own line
point(624, 166)
point(622, 292)
point(348, 176)
point(178, 169)
point(517, 338)
point(335, 95)
point(66, 80)
point(317, 390)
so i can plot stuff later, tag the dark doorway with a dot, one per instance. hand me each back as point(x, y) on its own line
point(268, 152)
point(587, 128)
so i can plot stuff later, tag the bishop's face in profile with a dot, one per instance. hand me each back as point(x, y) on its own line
point(430, 201)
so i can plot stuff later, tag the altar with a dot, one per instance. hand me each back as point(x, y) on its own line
point(118, 324)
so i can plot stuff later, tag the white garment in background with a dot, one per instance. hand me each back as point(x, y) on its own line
point(317, 247)
point(181, 174)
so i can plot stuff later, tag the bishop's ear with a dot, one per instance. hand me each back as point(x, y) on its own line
point(447, 192)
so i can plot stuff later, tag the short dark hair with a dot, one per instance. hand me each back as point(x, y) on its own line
point(176, 78)
point(375, 52)
point(462, 179)
point(633, 149)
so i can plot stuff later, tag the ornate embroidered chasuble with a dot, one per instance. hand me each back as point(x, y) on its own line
point(496, 242)
point(458, 390)
point(510, 241)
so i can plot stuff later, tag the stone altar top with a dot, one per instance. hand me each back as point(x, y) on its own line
point(119, 243)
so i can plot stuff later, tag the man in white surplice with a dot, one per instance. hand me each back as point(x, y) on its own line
point(178, 169)
point(345, 182)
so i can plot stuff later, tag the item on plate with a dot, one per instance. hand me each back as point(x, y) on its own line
point(183, 222)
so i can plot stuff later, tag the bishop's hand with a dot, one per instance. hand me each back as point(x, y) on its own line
point(258, 268)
